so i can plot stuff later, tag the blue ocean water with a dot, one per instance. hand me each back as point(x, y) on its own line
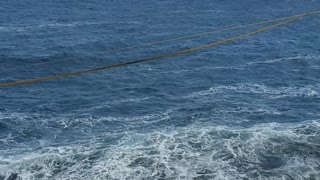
point(249, 109)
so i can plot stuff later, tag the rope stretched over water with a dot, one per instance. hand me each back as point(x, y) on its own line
point(29, 81)
point(168, 40)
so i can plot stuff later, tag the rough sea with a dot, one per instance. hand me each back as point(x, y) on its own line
point(249, 109)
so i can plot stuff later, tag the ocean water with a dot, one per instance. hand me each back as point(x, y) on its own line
point(249, 109)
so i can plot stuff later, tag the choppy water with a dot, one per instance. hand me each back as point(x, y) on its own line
point(245, 110)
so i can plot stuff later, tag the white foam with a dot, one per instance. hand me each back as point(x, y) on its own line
point(72, 24)
point(193, 152)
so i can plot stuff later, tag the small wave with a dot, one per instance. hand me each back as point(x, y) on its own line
point(14, 28)
point(271, 92)
point(271, 61)
point(299, 57)
point(118, 102)
point(72, 24)
point(315, 67)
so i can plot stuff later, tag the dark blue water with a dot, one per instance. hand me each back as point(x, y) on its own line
point(249, 109)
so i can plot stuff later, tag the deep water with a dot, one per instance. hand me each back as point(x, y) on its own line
point(248, 109)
